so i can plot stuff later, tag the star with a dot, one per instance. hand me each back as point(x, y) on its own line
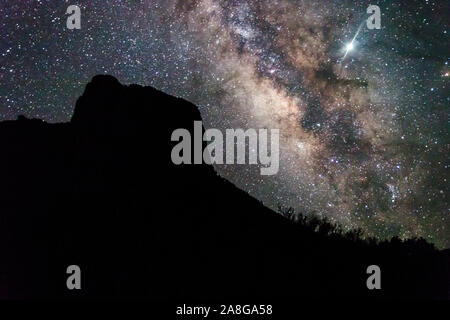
point(349, 47)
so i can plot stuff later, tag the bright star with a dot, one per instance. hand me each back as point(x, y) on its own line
point(350, 46)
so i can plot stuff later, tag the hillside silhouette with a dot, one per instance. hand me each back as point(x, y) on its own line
point(101, 192)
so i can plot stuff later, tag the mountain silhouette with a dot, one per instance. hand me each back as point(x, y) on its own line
point(101, 192)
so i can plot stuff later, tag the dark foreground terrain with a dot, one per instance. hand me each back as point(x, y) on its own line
point(101, 192)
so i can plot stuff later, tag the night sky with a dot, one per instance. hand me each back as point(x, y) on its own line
point(364, 140)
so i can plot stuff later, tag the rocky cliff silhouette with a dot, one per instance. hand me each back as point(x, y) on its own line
point(101, 192)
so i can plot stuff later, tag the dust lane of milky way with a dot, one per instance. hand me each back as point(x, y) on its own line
point(364, 140)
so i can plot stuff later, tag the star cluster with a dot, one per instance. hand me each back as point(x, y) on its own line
point(363, 114)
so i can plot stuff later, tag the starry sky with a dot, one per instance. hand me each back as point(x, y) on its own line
point(364, 139)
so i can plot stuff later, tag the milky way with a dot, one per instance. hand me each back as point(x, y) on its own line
point(364, 132)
